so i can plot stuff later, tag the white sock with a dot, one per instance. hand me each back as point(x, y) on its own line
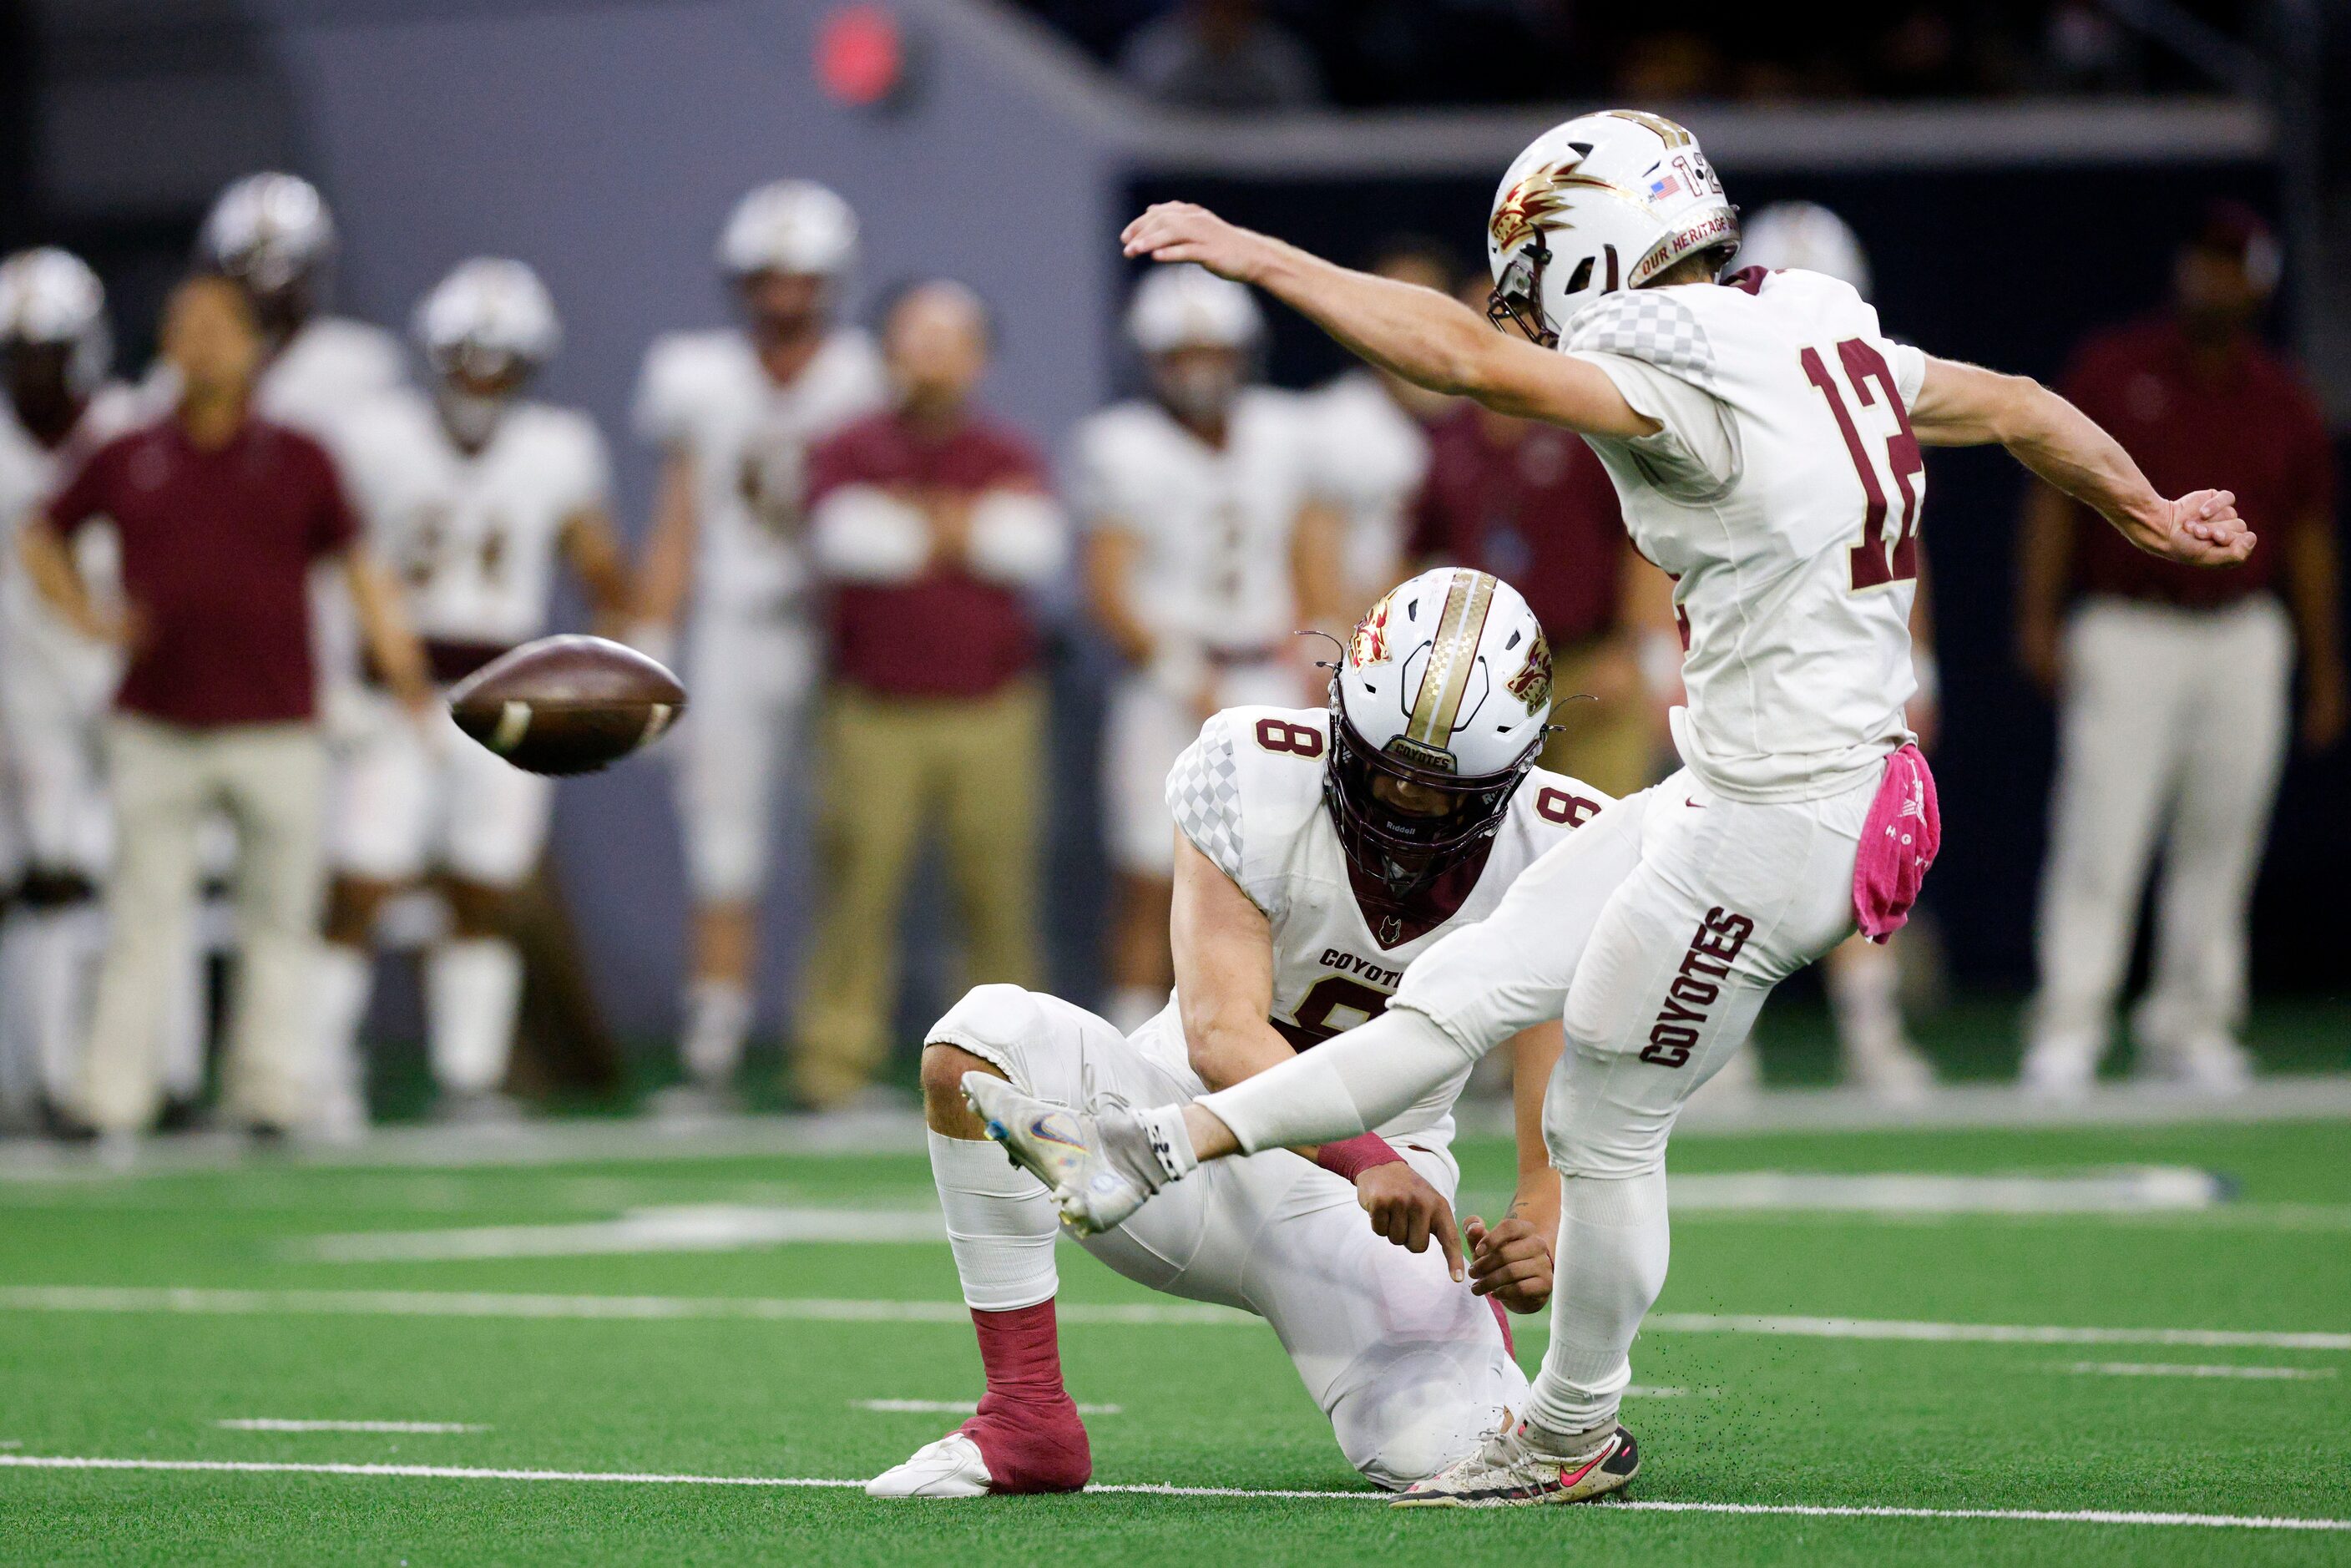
point(53, 967)
point(718, 1021)
point(1131, 1007)
point(473, 989)
point(1000, 1225)
point(341, 979)
point(1614, 1242)
point(1864, 993)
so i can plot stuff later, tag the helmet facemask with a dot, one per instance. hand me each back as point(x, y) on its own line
point(1517, 300)
point(1406, 850)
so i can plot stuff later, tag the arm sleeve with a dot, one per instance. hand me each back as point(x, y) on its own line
point(1018, 538)
point(1909, 363)
point(1204, 797)
point(83, 497)
point(861, 533)
point(663, 408)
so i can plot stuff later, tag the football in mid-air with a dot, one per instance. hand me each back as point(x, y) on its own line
point(567, 705)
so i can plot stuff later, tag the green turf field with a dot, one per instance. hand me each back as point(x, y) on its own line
point(756, 1363)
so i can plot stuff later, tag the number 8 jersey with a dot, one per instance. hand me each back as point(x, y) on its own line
point(1782, 496)
point(1248, 794)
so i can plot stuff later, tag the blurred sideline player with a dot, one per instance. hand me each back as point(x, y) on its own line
point(734, 411)
point(1765, 438)
point(56, 832)
point(1318, 851)
point(1864, 977)
point(1205, 552)
point(475, 495)
point(1372, 437)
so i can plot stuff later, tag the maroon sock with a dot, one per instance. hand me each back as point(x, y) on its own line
point(1028, 1428)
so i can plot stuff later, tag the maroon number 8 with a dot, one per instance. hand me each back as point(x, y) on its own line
point(1287, 739)
point(1556, 805)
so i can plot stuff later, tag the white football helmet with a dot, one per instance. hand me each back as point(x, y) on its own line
point(793, 227)
point(1604, 202)
point(485, 310)
point(1804, 235)
point(268, 231)
point(51, 297)
point(1444, 689)
point(1188, 307)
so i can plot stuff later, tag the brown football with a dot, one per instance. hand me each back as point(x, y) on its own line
point(567, 705)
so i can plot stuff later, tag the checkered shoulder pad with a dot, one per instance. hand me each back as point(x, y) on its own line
point(1649, 325)
point(1205, 796)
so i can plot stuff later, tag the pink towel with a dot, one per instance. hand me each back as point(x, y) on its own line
point(1898, 843)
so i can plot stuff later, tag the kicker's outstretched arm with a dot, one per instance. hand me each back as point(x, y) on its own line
point(1967, 405)
point(1417, 333)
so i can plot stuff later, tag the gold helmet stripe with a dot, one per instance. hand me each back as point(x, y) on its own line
point(1452, 655)
point(1665, 130)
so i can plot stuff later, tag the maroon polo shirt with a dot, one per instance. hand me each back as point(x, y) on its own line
point(945, 633)
point(217, 548)
point(1538, 512)
point(2250, 426)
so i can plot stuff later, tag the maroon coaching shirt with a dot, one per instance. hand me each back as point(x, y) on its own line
point(945, 633)
point(1539, 513)
point(217, 548)
point(2253, 428)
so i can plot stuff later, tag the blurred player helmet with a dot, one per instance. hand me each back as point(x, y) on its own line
point(791, 226)
point(1189, 307)
point(1604, 202)
point(268, 231)
point(1444, 692)
point(51, 297)
point(1804, 235)
point(487, 313)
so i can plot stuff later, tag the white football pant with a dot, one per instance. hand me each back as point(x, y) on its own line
point(1656, 930)
point(2172, 728)
point(1409, 1367)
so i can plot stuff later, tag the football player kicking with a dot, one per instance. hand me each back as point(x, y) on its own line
point(1318, 853)
point(1764, 437)
point(476, 494)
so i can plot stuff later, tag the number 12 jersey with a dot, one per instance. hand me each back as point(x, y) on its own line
point(1782, 496)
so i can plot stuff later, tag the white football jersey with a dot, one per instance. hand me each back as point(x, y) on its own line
point(29, 474)
point(474, 536)
point(1370, 459)
point(1782, 496)
point(1249, 795)
point(1216, 524)
point(707, 393)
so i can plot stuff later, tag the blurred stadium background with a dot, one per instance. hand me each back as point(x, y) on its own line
point(2018, 173)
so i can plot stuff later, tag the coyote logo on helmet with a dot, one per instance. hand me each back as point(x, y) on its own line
point(1531, 684)
point(1370, 643)
point(1541, 197)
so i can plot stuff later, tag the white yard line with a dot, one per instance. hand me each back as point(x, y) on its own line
point(2181, 1369)
point(957, 1407)
point(791, 1309)
point(281, 1423)
point(2131, 1189)
point(1802, 1510)
point(668, 1228)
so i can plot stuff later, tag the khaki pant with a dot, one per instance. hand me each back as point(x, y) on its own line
point(895, 769)
point(1610, 745)
point(269, 779)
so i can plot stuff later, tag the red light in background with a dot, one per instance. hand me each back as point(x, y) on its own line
point(861, 55)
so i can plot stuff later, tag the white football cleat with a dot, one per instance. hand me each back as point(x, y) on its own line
point(1092, 1186)
point(950, 1467)
point(1506, 1471)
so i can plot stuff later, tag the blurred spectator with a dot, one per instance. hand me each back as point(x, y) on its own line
point(1221, 54)
point(1371, 428)
point(930, 522)
point(734, 411)
point(57, 406)
point(220, 517)
point(1206, 550)
point(1530, 504)
point(2173, 685)
point(478, 497)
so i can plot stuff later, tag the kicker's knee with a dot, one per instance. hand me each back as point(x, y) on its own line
point(981, 1033)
